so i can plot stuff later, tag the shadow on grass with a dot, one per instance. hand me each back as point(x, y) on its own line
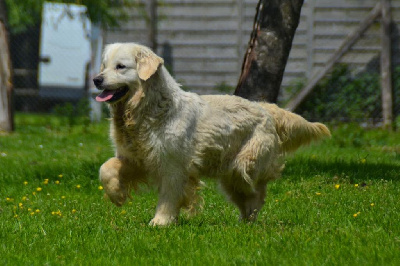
point(301, 167)
point(89, 169)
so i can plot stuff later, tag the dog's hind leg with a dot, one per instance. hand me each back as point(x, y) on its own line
point(119, 178)
point(248, 202)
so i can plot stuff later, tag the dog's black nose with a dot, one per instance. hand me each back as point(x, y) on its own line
point(98, 81)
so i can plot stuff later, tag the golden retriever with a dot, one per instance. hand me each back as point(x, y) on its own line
point(170, 137)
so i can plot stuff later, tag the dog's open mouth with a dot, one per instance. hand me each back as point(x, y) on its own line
point(112, 95)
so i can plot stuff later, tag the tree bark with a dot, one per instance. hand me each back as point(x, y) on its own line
point(6, 115)
point(270, 43)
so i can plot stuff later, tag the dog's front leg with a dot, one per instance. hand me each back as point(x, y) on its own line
point(171, 192)
point(115, 175)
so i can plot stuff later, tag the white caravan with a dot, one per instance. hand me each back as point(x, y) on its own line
point(65, 51)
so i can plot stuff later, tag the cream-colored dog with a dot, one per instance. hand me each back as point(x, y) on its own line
point(170, 137)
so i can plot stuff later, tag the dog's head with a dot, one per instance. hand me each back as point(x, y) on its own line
point(124, 67)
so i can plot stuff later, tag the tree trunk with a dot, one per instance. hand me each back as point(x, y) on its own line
point(6, 116)
point(264, 63)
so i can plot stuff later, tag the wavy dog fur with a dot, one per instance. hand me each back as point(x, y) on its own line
point(169, 137)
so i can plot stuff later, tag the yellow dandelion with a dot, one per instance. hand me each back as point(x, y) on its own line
point(363, 160)
point(356, 185)
point(73, 211)
point(372, 204)
point(24, 198)
point(25, 183)
point(276, 200)
point(29, 209)
point(123, 212)
point(78, 186)
point(100, 188)
point(46, 181)
point(9, 199)
point(16, 216)
point(57, 182)
point(34, 193)
point(318, 193)
point(355, 215)
point(63, 197)
point(60, 175)
point(32, 213)
point(37, 210)
point(53, 213)
point(20, 205)
point(337, 186)
point(39, 189)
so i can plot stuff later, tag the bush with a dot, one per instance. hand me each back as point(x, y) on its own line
point(348, 96)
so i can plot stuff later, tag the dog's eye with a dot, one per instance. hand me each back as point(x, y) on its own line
point(120, 66)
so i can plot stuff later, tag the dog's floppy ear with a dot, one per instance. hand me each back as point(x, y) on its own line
point(147, 64)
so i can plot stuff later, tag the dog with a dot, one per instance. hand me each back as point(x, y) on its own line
point(169, 137)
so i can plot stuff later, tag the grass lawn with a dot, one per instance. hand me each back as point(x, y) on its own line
point(338, 203)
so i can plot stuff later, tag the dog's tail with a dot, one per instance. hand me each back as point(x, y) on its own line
point(293, 130)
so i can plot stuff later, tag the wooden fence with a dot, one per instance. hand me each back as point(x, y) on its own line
point(208, 38)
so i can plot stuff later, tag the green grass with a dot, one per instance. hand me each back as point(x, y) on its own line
point(308, 219)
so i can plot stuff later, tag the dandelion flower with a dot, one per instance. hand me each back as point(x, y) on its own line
point(34, 193)
point(60, 175)
point(29, 209)
point(57, 182)
point(63, 197)
point(57, 213)
point(276, 200)
point(24, 198)
point(37, 210)
point(363, 160)
point(16, 216)
point(46, 181)
point(100, 188)
point(337, 186)
point(39, 189)
point(318, 193)
point(372, 204)
point(25, 183)
point(355, 215)
point(20, 205)
point(78, 186)
point(9, 199)
point(32, 213)
point(356, 185)
point(73, 211)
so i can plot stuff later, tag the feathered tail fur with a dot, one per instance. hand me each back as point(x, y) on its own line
point(293, 130)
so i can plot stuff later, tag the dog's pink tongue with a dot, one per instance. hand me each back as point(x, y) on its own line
point(105, 95)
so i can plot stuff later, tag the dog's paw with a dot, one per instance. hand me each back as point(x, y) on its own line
point(159, 220)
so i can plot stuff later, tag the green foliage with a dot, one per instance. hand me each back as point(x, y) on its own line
point(74, 115)
point(25, 13)
point(336, 204)
point(347, 95)
point(224, 87)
